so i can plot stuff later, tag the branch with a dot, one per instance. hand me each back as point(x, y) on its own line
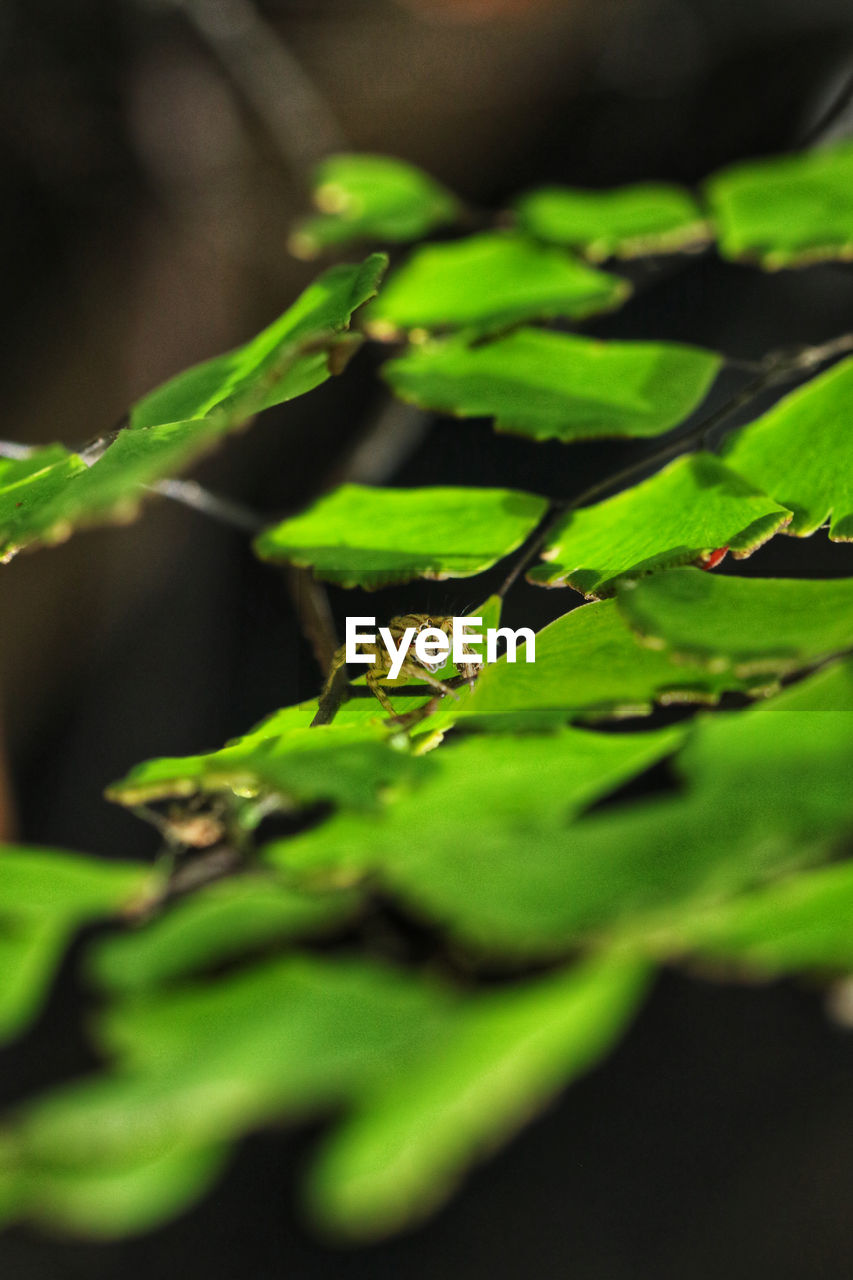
point(268, 75)
point(824, 125)
point(191, 494)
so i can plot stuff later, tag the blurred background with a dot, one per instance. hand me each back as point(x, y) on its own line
point(153, 154)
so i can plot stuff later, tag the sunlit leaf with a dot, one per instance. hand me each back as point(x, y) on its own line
point(786, 211)
point(557, 386)
point(626, 222)
point(679, 515)
point(506, 1053)
point(751, 624)
point(364, 537)
point(588, 663)
point(285, 360)
point(486, 282)
point(47, 495)
point(801, 452)
point(366, 197)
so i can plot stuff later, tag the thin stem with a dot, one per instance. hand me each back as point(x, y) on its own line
point(269, 76)
point(191, 494)
point(834, 110)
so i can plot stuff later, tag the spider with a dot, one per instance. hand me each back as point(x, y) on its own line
point(412, 668)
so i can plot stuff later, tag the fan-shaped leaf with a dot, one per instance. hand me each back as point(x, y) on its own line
point(285, 360)
point(364, 197)
point(45, 496)
point(679, 515)
point(786, 211)
point(363, 537)
point(801, 452)
point(751, 624)
point(588, 664)
point(558, 386)
point(486, 282)
point(625, 222)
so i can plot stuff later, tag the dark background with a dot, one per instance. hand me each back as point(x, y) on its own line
point(151, 163)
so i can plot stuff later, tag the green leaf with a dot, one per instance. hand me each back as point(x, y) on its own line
point(489, 281)
point(765, 790)
point(364, 537)
point(46, 496)
point(39, 883)
point(219, 923)
point(801, 452)
point(365, 197)
point(349, 764)
point(508, 1052)
point(626, 222)
point(688, 509)
point(30, 490)
point(202, 1063)
point(285, 360)
point(590, 664)
point(31, 950)
point(483, 792)
point(751, 624)
point(798, 924)
point(46, 896)
point(429, 1077)
point(107, 1204)
point(557, 386)
point(787, 211)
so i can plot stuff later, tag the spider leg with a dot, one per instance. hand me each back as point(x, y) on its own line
point(334, 691)
point(373, 681)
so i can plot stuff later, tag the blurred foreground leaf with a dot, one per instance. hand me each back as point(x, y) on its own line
point(218, 923)
point(505, 1054)
point(766, 790)
point(431, 1078)
point(45, 896)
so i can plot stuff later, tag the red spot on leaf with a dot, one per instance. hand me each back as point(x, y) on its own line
point(713, 558)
